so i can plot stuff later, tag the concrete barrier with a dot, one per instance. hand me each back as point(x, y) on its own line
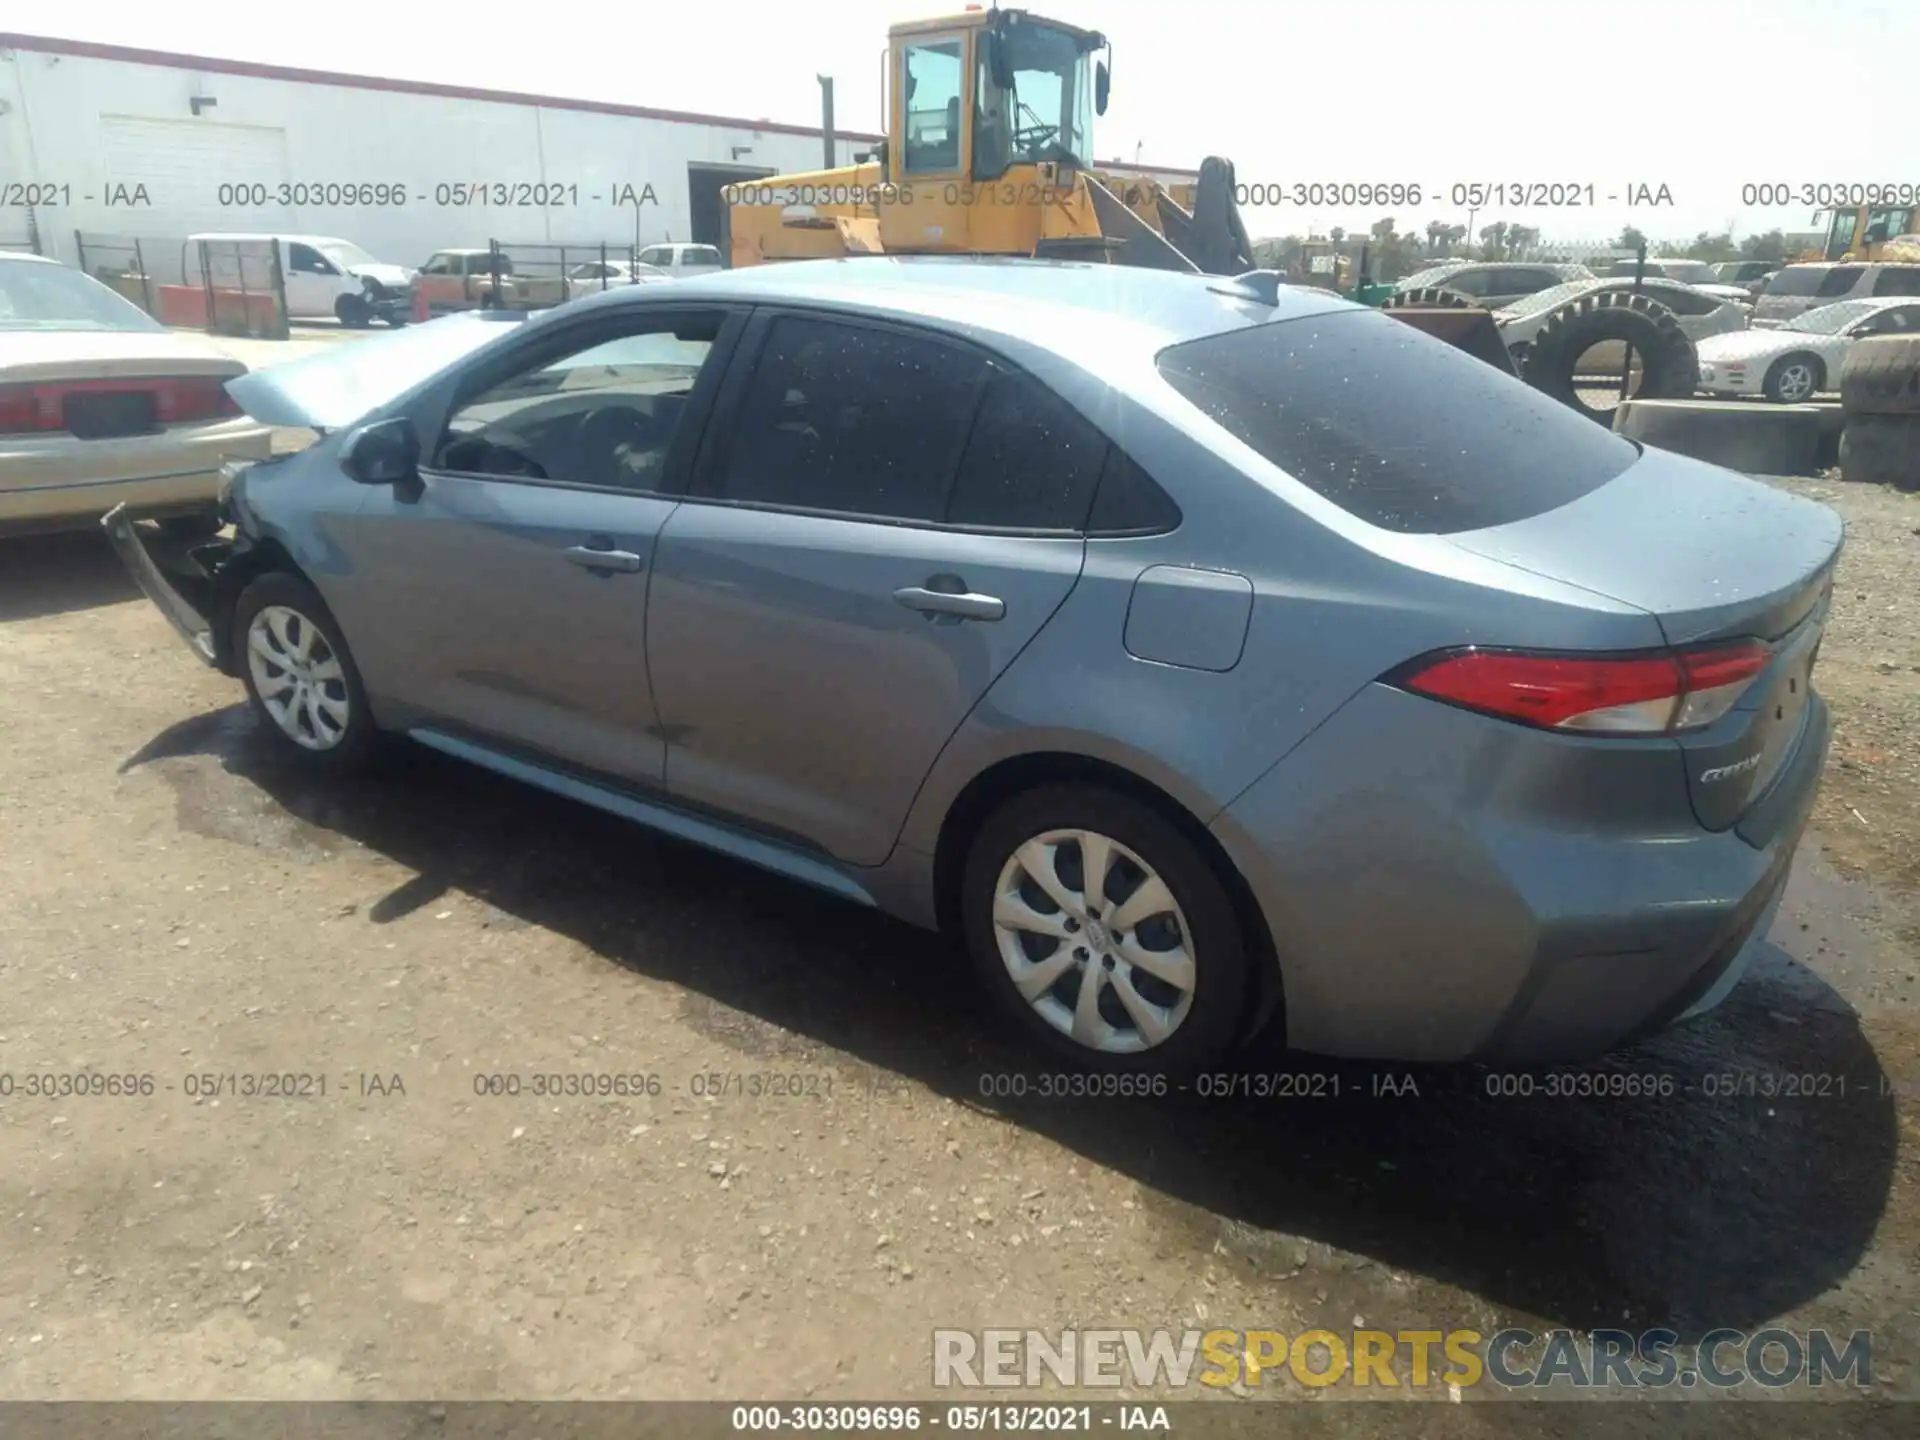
point(1756, 438)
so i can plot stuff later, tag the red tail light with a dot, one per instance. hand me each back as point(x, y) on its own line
point(1613, 695)
point(41, 409)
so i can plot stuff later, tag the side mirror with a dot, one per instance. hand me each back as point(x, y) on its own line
point(384, 453)
point(999, 65)
point(1102, 84)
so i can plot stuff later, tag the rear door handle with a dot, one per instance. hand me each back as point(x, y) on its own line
point(963, 604)
point(588, 558)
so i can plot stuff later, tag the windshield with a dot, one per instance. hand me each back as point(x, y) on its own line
point(38, 296)
point(1831, 319)
point(1694, 272)
point(1048, 112)
point(345, 253)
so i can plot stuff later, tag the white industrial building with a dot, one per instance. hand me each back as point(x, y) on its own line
point(114, 141)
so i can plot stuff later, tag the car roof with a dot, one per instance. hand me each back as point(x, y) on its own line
point(27, 255)
point(286, 235)
point(1062, 306)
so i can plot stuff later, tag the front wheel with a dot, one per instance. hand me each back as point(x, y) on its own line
point(353, 311)
point(1792, 379)
point(1102, 931)
point(300, 677)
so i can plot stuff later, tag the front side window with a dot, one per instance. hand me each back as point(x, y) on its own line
point(1841, 279)
point(932, 90)
point(1046, 113)
point(604, 415)
point(852, 420)
point(1463, 447)
point(305, 260)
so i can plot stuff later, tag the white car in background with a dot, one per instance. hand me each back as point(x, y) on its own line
point(597, 275)
point(1799, 359)
point(100, 405)
point(1697, 273)
point(680, 260)
point(1700, 312)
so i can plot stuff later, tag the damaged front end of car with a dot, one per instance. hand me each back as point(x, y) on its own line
point(193, 585)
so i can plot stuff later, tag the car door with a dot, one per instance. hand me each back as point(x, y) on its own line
point(312, 280)
point(505, 593)
point(881, 520)
point(440, 281)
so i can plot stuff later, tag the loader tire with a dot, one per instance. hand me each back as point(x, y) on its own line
point(1428, 297)
point(1881, 376)
point(1670, 367)
point(1882, 450)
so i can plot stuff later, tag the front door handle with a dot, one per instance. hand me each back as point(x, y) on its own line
point(963, 604)
point(590, 559)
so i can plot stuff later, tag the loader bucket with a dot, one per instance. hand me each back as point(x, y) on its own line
point(1130, 240)
point(1470, 330)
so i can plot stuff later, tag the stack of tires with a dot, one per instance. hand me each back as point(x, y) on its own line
point(1880, 395)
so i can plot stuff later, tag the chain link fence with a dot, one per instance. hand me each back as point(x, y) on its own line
point(224, 286)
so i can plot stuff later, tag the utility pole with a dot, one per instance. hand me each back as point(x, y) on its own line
point(826, 118)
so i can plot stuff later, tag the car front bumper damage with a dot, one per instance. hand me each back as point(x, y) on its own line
point(182, 585)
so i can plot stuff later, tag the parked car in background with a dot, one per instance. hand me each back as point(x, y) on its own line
point(1177, 648)
point(598, 275)
point(326, 278)
point(101, 404)
point(1493, 285)
point(1697, 273)
point(1699, 312)
point(682, 260)
point(1749, 275)
point(1795, 361)
point(1796, 289)
point(465, 280)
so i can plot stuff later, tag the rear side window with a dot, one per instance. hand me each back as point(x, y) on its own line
point(1031, 462)
point(1841, 279)
point(1799, 280)
point(853, 420)
point(700, 255)
point(1396, 428)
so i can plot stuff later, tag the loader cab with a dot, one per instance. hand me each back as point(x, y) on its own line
point(976, 95)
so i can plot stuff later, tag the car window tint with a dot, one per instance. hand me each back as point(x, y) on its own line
point(1395, 427)
point(1471, 282)
point(1898, 280)
point(1800, 280)
point(656, 256)
point(1683, 301)
point(701, 255)
point(306, 260)
point(852, 419)
point(1128, 501)
point(1031, 462)
point(1841, 279)
point(604, 415)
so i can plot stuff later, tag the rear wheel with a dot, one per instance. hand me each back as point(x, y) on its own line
point(1793, 378)
point(300, 677)
point(1103, 933)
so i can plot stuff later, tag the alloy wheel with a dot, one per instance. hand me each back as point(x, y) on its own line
point(1796, 382)
point(298, 678)
point(1094, 941)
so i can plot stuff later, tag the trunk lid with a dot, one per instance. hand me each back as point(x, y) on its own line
point(35, 356)
point(352, 379)
point(1713, 556)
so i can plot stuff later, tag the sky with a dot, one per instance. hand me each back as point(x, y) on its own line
point(1700, 96)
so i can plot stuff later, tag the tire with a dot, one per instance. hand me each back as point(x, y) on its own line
point(1202, 1027)
point(353, 311)
point(1794, 379)
point(338, 728)
point(1428, 297)
point(1881, 376)
point(1882, 450)
point(1670, 367)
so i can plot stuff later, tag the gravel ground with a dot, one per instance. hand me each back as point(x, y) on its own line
point(173, 905)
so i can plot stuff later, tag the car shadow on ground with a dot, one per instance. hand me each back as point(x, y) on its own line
point(63, 570)
point(1680, 1201)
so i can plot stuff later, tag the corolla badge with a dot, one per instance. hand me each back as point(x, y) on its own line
point(1727, 772)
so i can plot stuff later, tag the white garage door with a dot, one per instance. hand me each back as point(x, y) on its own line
point(183, 164)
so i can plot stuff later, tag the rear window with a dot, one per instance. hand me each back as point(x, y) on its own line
point(1396, 428)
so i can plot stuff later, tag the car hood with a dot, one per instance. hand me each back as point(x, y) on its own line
point(384, 273)
point(1752, 344)
point(54, 354)
point(353, 378)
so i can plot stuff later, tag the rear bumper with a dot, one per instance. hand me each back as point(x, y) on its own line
point(60, 481)
point(182, 590)
point(1436, 891)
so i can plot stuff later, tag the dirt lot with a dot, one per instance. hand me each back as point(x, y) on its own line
point(172, 905)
